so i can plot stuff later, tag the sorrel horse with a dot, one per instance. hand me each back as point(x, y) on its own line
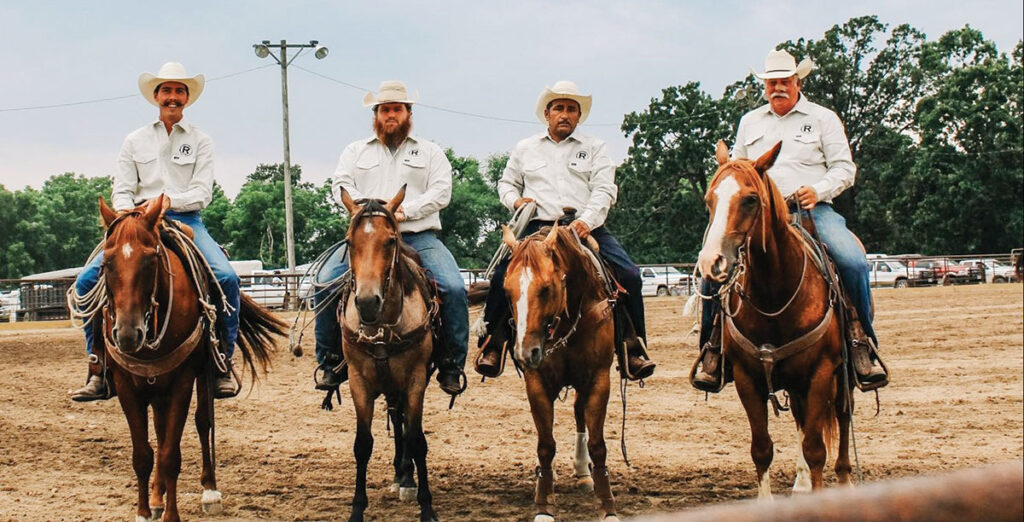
point(386, 322)
point(782, 329)
point(565, 336)
point(157, 342)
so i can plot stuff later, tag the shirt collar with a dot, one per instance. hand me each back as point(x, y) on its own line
point(183, 124)
point(410, 137)
point(545, 136)
point(801, 107)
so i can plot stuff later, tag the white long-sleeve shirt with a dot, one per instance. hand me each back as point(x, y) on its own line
point(815, 151)
point(368, 169)
point(153, 162)
point(575, 172)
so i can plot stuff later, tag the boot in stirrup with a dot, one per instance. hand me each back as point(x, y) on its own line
point(492, 351)
point(97, 387)
point(224, 385)
point(332, 373)
point(709, 377)
point(870, 371)
point(640, 365)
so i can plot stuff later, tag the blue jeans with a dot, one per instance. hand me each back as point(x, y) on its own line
point(850, 261)
point(226, 276)
point(611, 250)
point(440, 265)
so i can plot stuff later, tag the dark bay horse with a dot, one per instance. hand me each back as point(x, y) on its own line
point(386, 322)
point(157, 342)
point(564, 337)
point(781, 327)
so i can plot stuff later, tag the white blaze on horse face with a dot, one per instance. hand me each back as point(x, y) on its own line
point(126, 251)
point(522, 309)
point(802, 484)
point(368, 227)
point(712, 250)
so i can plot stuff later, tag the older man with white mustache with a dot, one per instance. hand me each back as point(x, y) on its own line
point(814, 166)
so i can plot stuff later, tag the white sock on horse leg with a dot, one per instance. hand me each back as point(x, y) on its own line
point(582, 456)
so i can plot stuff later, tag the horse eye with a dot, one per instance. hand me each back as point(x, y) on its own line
point(544, 291)
point(751, 200)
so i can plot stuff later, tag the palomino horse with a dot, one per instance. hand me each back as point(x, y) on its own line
point(157, 342)
point(781, 327)
point(564, 337)
point(386, 322)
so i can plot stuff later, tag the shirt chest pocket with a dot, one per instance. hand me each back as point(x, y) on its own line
point(414, 170)
point(146, 164)
point(366, 166)
point(183, 154)
point(807, 148)
point(581, 165)
point(533, 171)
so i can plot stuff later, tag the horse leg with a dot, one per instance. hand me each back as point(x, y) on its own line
point(363, 447)
point(175, 410)
point(416, 447)
point(404, 484)
point(211, 500)
point(802, 482)
point(820, 411)
point(158, 488)
point(762, 449)
point(595, 412)
point(142, 453)
point(581, 460)
point(844, 412)
point(542, 408)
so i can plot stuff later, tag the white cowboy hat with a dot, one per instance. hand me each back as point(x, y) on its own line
point(781, 64)
point(390, 91)
point(563, 89)
point(171, 72)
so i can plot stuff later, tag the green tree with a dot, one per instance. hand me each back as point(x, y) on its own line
point(474, 213)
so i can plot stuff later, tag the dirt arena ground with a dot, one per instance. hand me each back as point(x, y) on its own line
point(955, 402)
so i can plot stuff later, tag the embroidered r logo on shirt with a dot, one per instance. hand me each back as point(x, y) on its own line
point(581, 154)
point(806, 128)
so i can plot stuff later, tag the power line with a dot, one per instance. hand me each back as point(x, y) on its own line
point(115, 98)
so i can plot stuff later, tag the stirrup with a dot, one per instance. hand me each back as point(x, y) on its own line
point(870, 386)
point(702, 386)
point(502, 352)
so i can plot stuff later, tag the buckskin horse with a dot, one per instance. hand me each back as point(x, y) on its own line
point(386, 323)
point(157, 340)
point(564, 337)
point(782, 329)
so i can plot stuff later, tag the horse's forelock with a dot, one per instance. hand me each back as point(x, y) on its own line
point(532, 248)
point(129, 229)
point(371, 208)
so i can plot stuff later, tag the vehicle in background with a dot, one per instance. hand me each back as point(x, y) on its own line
point(10, 302)
point(885, 270)
point(992, 270)
point(663, 280)
point(266, 287)
point(470, 277)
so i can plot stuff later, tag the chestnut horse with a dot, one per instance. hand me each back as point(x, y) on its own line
point(781, 323)
point(386, 322)
point(157, 341)
point(564, 337)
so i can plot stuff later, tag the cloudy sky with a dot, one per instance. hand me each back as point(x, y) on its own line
point(479, 65)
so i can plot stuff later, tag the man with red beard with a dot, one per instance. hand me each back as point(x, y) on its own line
point(377, 167)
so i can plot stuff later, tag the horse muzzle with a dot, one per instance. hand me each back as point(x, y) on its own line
point(369, 308)
point(128, 338)
point(530, 354)
point(716, 266)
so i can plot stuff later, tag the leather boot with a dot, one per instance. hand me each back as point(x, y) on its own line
point(224, 385)
point(640, 366)
point(332, 374)
point(96, 387)
point(709, 377)
point(450, 377)
point(864, 358)
point(492, 351)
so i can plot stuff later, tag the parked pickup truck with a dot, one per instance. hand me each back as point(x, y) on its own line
point(992, 270)
point(891, 272)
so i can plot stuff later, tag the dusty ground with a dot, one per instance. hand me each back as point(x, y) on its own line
point(281, 457)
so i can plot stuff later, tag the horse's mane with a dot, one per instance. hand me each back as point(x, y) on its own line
point(568, 249)
point(772, 202)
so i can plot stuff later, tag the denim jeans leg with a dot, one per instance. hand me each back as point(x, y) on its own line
point(454, 306)
point(851, 262)
point(327, 329)
point(628, 274)
point(708, 310)
point(87, 279)
point(222, 270)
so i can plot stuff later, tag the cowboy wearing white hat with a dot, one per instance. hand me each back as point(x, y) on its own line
point(173, 157)
point(813, 167)
point(561, 168)
point(377, 167)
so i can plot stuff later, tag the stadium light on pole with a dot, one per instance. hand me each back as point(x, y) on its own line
point(262, 50)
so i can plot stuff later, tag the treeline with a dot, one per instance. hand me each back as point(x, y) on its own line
point(935, 127)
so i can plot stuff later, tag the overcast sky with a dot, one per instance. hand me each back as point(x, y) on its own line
point(485, 58)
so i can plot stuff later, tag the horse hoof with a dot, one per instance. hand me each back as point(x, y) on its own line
point(211, 502)
point(406, 494)
point(585, 484)
point(140, 518)
point(158, 513)
point(611, 518)
point(543, 518)
point(394, 487)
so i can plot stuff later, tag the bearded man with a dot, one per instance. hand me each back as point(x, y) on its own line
point(377, 167)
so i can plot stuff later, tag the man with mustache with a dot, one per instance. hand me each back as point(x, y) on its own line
point(814, 166)
point(561, 168)
point(173, 157)
point(377, 167)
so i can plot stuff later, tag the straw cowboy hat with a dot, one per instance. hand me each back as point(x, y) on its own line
point(171, 72)
point(390, 91)
point(780, 64)
point(563, 89)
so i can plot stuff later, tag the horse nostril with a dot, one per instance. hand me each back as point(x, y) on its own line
point(536, 355)
point(140, 336)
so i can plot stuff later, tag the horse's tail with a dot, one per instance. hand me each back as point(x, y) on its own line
point(477, 292)
point(692, 306)
point(256, 330)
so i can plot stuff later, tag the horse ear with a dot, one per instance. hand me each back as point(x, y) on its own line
point(350, 204)
point(767, 159)
point(396, 201)
point(722, 153)
point(552, 236)
point(155, 209)
point(508, 237)
point(106, 213)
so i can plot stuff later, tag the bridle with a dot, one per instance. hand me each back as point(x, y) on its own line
point(382, 327)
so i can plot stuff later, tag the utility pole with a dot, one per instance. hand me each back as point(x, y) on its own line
point(263, 49)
